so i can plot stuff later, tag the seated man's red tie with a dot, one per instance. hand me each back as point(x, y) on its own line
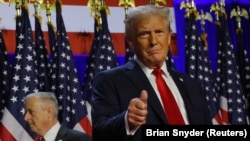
point(171, 108)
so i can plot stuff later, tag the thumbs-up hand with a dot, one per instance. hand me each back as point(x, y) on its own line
point(137, 110)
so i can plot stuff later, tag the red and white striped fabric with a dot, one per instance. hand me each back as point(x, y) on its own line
point(79, 24)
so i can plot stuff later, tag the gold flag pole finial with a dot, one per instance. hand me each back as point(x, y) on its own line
point(18, 6)
point(95, 11)
point(48, 7)
point(216, 9)
point(126, 4)
point(238, 13)
point(36, 3)
point(222, 5)
point(189, 8)
point(105, 7)
point(219, 10)
point(93, 4)
point(222, 8)
point(96, 7)
point(203, 17)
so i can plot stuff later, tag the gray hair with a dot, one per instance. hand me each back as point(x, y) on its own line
point(45, 98)
point(140, 12)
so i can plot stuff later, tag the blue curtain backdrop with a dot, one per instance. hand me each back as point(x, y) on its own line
point(179, 60)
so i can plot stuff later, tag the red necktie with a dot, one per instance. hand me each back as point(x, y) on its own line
point(172, 111)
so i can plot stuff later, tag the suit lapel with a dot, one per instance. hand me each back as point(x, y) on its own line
point(62, 131)
point(179, 82)
point(140, 80)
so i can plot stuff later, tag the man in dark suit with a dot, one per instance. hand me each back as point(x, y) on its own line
point(126, 97)
point(41, 114)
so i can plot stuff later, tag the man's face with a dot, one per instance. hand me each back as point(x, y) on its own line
point(35, 116)
point(152, 40)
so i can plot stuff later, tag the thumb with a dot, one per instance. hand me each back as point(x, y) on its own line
point(144, 96)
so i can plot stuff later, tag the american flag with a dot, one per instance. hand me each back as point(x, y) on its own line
point(170, 59)
point(232, 103)
point(129, 54)
point(244, 67)
point(52, 38)
point(5, 74)
point(24, 81)
point(42, 57)
point(65, 83)
point(198, 66)
point(101, 57)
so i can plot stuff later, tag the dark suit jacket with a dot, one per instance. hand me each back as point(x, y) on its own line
point(66, 134)
point(113, 89)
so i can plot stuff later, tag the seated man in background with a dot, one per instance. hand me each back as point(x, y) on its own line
point(41, 114)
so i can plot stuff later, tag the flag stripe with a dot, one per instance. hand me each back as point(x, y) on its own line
point(82, 22)
point(224, 110)
point(80, 32)
point(85, 123)
point(81, 43)
point(5, 133)
point(72, 108)
point(24, 79)
point(13, 127)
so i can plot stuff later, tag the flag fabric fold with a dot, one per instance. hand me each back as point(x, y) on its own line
point(198, 66)
point(24, 81)
point(5, 74)
point(232, 98)
point(170, 59)
point(244, 67)
point(129, 54)
point(42, 58)
point(52, 39)
point(102, 56)
point(65, 82)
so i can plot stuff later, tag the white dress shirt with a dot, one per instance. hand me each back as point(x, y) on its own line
point(171, 84)
point(52, 133)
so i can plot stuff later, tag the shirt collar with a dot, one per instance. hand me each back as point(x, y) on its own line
point(52, 133)
point(148, 71)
